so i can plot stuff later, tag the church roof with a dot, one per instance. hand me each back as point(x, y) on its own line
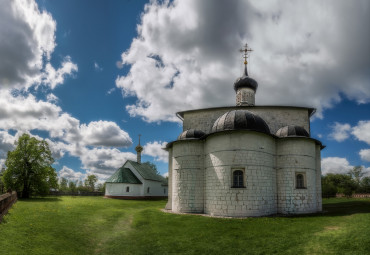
point(245, 81)
point(292, 131)
point(147, 172)
point(240, 119)
point(124, 175)
point(191, 134)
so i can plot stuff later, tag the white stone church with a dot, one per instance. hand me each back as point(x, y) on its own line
point(245, 160)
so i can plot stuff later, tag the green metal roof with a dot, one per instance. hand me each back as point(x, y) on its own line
point(147, 172)
point(124, 175)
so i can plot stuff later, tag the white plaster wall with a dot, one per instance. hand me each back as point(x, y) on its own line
point(248, 150)
point(155, 189)
point(119, 189)
point(187, 176)
point(296, 155)
point(274, 116)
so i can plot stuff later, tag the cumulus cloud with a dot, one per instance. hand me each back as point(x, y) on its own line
point(335, 165)
point(340, 131)
point(70, 174)
point(104, 133)
point(186, 54)
point(155, 150)
point(30, 41)
point(365, 154)
point(362, 131)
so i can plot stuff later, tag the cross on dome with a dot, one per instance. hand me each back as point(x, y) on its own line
point(245, 51)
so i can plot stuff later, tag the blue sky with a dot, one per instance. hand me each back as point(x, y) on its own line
point(89, 76)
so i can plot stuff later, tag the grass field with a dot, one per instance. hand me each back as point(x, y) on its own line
point(94, 225)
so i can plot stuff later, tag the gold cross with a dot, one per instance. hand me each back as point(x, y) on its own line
point(245, 51)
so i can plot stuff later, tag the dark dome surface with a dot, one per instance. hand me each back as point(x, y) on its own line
point(191, 134)
point(240, 119)
point(245, 82)
point(292, 131)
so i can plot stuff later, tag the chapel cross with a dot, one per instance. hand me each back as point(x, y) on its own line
point(246, 50)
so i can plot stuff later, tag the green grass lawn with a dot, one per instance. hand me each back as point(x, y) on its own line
point(94, 225)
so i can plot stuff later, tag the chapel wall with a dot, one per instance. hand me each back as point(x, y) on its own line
point(274, 116)
point(120, 189)
point(294, 156)
point(254, 153)
point(169, 202)
point(188, 176)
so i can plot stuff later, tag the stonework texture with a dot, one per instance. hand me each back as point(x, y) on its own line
point(200, 175)
point(275, 117)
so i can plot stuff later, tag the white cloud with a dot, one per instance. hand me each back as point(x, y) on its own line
point(97, 67)
point(54, 77)
point(186, 54)
point(335, 165)
point(362, 131)
point(365, 154)
point(51, 98)
point(165, 174)
point(30, 41)
point(71, 174)
point(155, 150)
point(104, 133)
point(340, 131)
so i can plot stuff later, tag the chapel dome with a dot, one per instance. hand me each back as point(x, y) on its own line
point(245, 82)
point(240, 120)
point(191, 134)
point(292, 131)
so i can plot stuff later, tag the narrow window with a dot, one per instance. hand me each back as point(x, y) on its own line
point(148, 190)
point(300, 181)
point(238, 179)
point(164, 191)
point(127, 189)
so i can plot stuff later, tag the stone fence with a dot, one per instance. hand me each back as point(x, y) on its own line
point(6, 201)
point(365, 195)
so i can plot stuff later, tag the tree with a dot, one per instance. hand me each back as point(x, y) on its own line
point(2, 186)
point(28, 167)
point(365, 185)
point(356, 174)
point(63, 184)
point(90, 182)
point(152, 166)
point(342, 183)
point(72, 186)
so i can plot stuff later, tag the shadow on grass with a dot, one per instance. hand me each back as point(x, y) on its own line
point(40, 199)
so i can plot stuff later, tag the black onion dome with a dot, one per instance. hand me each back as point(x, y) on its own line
point(240, 119)
point(191, 134)
point(292, 131)
point(245, 82)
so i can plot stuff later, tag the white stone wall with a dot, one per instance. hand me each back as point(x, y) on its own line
point(119, 189)
point(251, 151)
point(296, 155)
point(187, 176)
point(169, 202)
point(274, 116)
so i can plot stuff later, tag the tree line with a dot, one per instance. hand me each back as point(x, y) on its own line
point(347, 184)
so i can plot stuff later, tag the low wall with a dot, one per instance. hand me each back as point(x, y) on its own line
point(77, 193)
point(365, 195)
point(6, 201)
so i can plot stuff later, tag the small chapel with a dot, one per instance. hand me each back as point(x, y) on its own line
point(136, 180)
point(245, 160)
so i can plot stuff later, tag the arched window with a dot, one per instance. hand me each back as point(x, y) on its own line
point(148, 190)
point(238, 179)
point(127, 189)
point(299, 181)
